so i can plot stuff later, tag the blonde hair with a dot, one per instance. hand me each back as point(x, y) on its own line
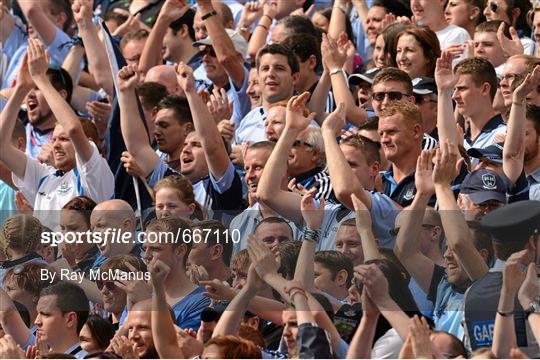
point(184, 189)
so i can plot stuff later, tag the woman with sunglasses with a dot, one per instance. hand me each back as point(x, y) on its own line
point(465, 13)
point(513, 12)
point(417, 51)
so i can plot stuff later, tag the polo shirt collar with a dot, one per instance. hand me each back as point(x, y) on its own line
point(491, 125)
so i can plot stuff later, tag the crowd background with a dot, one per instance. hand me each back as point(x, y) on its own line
point(340, 178)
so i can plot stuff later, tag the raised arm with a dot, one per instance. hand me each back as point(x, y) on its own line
point(334, 56)
point(269, 189)
point(38, 64)
point(362, 341)
point(11, 321)
point(258, 38)
point(457, 233)
point(13, 158)
point(527, 295)
point(8, 23)
point(163, 331)
point(338, 18)
point(98, 62)
point(364, 227)
point(317, 102)
point(223, 46)
point(446, 80)
point(212, 143)
point(407, 247)
point(133, 131)
point(151, 55)
point(514, 146)
point(41, 23)
point(344, 182)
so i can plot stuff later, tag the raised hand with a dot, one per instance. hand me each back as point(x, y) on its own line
point(120, 345)
point(261, 257)
point(197, 273)
point(136, 290)
point(301, 12)
point(388, 19)
point(24, 79)
point(158, 272)
point(22, 204)
point(131, 165)
point(334, 56)
point(270, 9)
point(82, 12)
point(528, 85)
point(226, 129)
point(128, 78)
point(254, 281)
point(420, 338)
point(99, 111)
point(369, 308)
point(313, 215)
point(468, 49)
point(363, 215)
point(335, 122)
point(38, 59)
point(219, 105)
point(46, 154)
point(132, 23)
point(511, 46)
point(374, 281)
point(530, 288)
point(423, 177)
point(184, 75)
point(445, 164)
point(295, 119)
point(515, 270)
point(253, 10)
point(218, 290)
point(444, 76)
point(173, 10)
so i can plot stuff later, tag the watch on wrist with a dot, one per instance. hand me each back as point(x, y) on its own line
point(534, 306)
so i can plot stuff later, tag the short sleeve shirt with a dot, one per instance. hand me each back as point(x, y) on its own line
point(188, 310)
point(251, 128)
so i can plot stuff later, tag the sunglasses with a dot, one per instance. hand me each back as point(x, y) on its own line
point(208, 50)
point(392, 95)
point(493, 7)
point(299, 143)
point(109, 285)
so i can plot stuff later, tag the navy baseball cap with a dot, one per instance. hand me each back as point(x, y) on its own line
point(368, 76)
point(492, 152)
point(483, 185)
point(424, 86)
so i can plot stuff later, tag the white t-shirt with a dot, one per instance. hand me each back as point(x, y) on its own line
point(452, 34)
point(49, 190)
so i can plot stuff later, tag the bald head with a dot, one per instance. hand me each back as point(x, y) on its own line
point(166, 76)
point(119, 214)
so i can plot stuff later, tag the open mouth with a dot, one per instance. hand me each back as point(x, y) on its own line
point(252, 187)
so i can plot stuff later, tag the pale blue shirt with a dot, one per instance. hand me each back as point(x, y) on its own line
point(251, 128)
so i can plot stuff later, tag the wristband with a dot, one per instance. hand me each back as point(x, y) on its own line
point(268, 16)
point(210, 14)
point(312, 235)
point(263, 26)
point(505, 314)
point(518, 103)
point(342, 8)
point(338, 71)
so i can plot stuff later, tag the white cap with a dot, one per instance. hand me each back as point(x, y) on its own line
point(240, 44)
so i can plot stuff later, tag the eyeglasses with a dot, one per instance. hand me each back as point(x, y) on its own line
point(299, 143)
point(392, 95)
point(493, 7)
point(109, 285)
point(208, 50)
point(510, 77)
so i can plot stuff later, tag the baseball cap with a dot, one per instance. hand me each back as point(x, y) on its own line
point(368, 76)
point(240, 44)
point(514, 222)
point(424, 86)
point(483, 185)
point(492, 152)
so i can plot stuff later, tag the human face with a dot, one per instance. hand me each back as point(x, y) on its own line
point(427, 104)
point(88, 343)
point(239, 277)
point(168, 131)
point(279, 33)
point(171, 45)
point(275, 123)
point(536, 26)
point(253, 90)
point(193, 162)
point(20, 295)
point(388, 86)
point(320, 21)
point(398, 138)
point(375, 17)
point(276, 78)
point(63, 150)
point(486, 46)
point(348, 242)
point(473, 211)
point(500, 13)
point(214, 70)
point(532, 142)
point(427, 11)
point(102, 222)
point(201, 254)
point(303, 157)
point(379, 57)
point(74, 222)
point(114, 298)
point(512, 68)
point(169, 204)
point(290, 329)
point(133, 50)
point(51, 323)
point(325, 281)
point(199, 27)
point(457, 12)
point(363, 94)
point(410, 57)
point(359, 165)
point(456, 274)
point(254, 162)
point(273, 234)
point(212, 351)
point(140, 332)
point(38, 110)
point(468, 96)
point(162, 250)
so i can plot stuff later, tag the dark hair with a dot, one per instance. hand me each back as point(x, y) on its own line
point(481, 239)
point(138, 34)
point(336, 261)
point(521, 23)
point(288, 253)
point(304, 46)
point(103, 355)
point(396, 7)
point(296, 24)
point(533, 114)
point(274, 220)
point(69, 298)
point(180, 107)
point(61, 80)
point(102, 330)
point(325, 303)
point(186, 19)
point(327, 13)
point(151, 93)
point(456, 346)
point(23, 313)
point(216, 234)
point(55, 355)
point(369, 148)
point(173, 226)
point(389, 34)
point(111, 15)
point(481, 72)
point(480, 4)
point(83, 205)
point(493, 26)
point(394, 74)
point(59, 6)
point(428, 41)
point(278, 49)
point(119, 262)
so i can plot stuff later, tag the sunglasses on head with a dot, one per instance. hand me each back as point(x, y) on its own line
point(392, 95)
point(109, 285)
